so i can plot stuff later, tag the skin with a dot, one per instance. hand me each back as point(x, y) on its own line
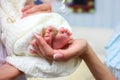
point(98, 69)
point(34, 9)
point(9, 72)
point(57, 39)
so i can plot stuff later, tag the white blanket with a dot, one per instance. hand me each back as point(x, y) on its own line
point(17, 33)
point(16, 38)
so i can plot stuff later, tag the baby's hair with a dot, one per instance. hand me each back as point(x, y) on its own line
point(54, 30)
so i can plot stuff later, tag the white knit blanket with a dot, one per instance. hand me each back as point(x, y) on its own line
point(17, 37)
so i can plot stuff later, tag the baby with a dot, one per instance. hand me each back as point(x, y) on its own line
point(16, 37)
point(57, 39)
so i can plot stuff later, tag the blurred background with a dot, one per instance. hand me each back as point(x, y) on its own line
point(99, 13)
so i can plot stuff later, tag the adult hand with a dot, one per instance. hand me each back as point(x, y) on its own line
point(41, 48)
point(76, 48)
point(33, 9)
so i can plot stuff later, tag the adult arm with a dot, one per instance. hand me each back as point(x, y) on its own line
point(83, 50)
point(78, 48)
point(9, 72)
point(98, 69)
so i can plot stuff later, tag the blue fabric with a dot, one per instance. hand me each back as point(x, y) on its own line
point(113, 52)
point(37, 2)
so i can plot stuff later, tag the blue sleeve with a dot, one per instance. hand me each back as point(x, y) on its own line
point(113, 51)
point(37, 2)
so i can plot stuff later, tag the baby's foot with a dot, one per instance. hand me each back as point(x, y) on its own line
point(48, 36)
point(62, 38)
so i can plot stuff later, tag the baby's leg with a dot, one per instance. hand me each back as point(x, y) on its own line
point(62, 38)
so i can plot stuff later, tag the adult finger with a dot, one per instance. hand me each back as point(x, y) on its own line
point(27, 7)
point(36, 49)
point(45, 48)
point(38, 8)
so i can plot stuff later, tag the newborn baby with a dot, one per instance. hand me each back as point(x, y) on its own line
point(18, 35)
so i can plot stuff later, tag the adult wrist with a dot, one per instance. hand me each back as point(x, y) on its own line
point(86, 52)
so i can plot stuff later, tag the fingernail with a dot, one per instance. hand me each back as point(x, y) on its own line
point(57, 56)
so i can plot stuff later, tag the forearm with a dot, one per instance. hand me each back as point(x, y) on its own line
point(8, 72)
point(98, 69)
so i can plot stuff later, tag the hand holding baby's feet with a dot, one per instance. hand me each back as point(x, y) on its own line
point(55, 41)
point(41, 48)
point(62, 38)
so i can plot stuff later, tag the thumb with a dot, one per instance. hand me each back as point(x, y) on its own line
point(58, 56)
point(62, 55)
